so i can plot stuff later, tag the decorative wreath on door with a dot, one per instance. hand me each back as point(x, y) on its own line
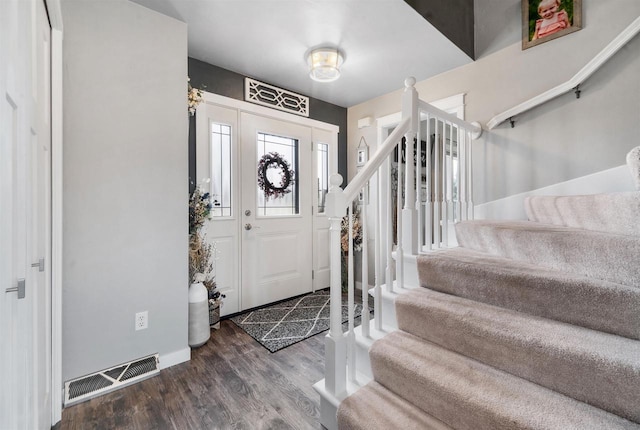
point(273, 160)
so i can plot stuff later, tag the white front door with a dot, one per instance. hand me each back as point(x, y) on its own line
point(25, 168)
point(276, 223)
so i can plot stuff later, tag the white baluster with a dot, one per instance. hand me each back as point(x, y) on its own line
point(351, 345)
point(365, 263)
point(462, 172)
point(428, 217)
point(445, 185)
point(399, 250)
point(389, 206)
point(456, 177)
point(377, 296)
point(470, 175)
point(450, 207)
point(418, 205)
point(409, 212)
point(335, 341)
point(437, 213)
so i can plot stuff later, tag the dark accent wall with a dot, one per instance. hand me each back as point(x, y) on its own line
point(453, 18)
point(221, 81)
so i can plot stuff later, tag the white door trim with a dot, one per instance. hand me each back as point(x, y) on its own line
point(318, 128)
point(54, 11)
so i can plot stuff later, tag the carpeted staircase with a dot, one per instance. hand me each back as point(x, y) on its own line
point(527, 325)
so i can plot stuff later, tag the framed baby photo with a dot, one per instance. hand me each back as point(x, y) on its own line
point(545, 20)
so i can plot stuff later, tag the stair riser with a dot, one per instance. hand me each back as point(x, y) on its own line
point(598, 305)
point(555, 356)
point(615, 212)
point(468, 395)
point(597, 255)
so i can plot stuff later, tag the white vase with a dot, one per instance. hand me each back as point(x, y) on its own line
point(199, 331)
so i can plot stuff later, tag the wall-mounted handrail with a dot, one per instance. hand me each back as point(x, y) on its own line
point(583, 74)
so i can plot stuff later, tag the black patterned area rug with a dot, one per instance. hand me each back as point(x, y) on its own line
point(285, 323)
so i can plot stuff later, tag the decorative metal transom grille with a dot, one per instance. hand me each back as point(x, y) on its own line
point(274, 97)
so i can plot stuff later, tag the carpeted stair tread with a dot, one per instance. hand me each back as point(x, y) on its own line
point(594, 367)
point(375, 408)
point(612, 212)
point(535, 290)
point(469, 395)
point(606, 256)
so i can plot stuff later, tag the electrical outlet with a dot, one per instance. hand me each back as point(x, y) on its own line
point(142, 320)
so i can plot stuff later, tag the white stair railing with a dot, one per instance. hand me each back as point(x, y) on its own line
point(420, 225)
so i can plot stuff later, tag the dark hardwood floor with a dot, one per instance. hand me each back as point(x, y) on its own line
point(232, 382)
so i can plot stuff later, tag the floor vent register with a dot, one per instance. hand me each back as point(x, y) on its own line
point(104, 381)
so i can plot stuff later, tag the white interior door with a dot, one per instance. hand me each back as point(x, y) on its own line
point(25, 168)
point(276, 230)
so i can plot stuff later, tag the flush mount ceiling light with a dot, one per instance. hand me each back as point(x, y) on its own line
point(324, 64)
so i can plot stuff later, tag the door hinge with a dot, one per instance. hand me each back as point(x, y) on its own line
point(39, 265)
point(20, 289)
point(313, 274)
point(311, 209)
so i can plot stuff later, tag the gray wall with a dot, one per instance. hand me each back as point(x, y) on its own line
point(453, 18)
point(561, 140)
point(125, 184)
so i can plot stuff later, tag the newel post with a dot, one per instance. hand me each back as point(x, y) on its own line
point(409, 211)
point(335, 341)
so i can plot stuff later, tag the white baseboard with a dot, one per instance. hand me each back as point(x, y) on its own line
point(612, 180)
point(173, 358)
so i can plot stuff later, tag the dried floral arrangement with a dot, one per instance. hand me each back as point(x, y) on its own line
point(357, 231)
point(344, 240)
point(194, 97)
point(201, 253)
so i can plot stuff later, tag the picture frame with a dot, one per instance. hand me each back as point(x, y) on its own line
point(363, 196)
point(545, 20)
point(362, 156)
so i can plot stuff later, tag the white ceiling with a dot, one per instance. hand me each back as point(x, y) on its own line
point(383, 41)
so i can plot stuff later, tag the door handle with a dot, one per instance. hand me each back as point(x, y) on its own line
point(20, 289)
point(39, 265)
point(248, 226)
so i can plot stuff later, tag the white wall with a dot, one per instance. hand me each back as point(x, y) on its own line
point(125, 184)
point(561, 140)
